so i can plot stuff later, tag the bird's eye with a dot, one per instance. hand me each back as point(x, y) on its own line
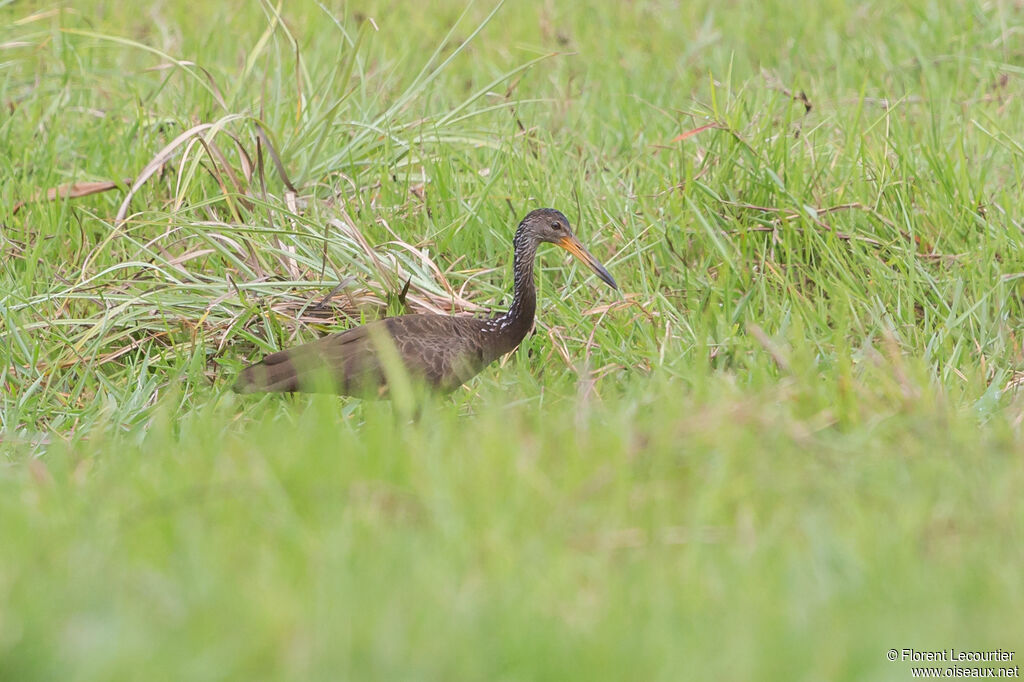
point(556, 226)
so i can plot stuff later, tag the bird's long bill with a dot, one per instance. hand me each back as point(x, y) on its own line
point(573, 246)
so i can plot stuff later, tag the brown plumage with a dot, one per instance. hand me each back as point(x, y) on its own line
point(441, 350)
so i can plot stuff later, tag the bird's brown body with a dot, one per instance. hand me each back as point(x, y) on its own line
point(441, 350)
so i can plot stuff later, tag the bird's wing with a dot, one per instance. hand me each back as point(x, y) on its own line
point(445, 351)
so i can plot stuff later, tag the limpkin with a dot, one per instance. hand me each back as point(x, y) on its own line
point(441, 350)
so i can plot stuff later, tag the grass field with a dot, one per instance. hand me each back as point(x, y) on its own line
point(792, 442)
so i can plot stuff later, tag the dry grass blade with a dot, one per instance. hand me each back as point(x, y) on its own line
point(155, 164)
point(275, 158)
point(72, 190)
point(691, 133)
point(208, 131)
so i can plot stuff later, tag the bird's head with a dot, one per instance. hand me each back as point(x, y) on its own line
point(549, 225)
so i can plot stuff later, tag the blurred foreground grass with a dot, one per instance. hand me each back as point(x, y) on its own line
point(717, 535)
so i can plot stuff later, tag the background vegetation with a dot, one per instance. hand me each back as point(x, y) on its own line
point(793, 441)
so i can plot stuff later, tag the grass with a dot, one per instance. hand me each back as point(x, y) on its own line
point(791, 444)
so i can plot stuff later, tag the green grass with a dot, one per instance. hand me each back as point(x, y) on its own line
point(792, 443)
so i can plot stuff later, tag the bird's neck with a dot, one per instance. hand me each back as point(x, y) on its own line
point(517, 321)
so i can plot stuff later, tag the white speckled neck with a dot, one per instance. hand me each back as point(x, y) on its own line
point(516, 322)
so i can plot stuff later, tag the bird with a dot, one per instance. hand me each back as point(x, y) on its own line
point(442, 351)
